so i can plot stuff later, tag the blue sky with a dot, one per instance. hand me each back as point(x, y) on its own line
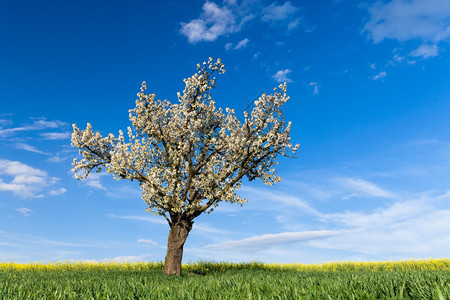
point(370, 90)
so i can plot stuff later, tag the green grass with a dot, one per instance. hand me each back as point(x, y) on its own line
point(219, 281)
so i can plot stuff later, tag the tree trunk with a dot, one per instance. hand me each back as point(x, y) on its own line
point(178, 233)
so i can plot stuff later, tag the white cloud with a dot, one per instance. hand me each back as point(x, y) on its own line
point(310, 29)
point(425, 20)
point(380, 217)
point(125, 192)
point(365, 187)
point(282, 15)
point(27, 181)
point(380, 75)
point(44, 124)
point(425, 51)
point(415, 228)
point(147, 242)
point(294, 24)
point(38, 240)
point(7, 245)
point(39, 124)
point(286, 200)
point(228, 46)
point(151, 219)
point(208, 229)
point(268, 240)
point(26, 147)
point(56, 159)
point(5, 122)
point(399, 225)
point(57, 192)
point(25, 211)
point(276, 12)
point(316, 87)
point(349, 196)
point(56, 135)
point(213, 22)
point(413, 225)
point(398, 58)
point(9, 131)
point(241, 44)
point(281, 76)
point(93, 180)
point(218, 20)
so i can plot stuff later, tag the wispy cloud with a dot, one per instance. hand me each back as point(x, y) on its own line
point(8, 245)
point(366, 187)
point(198, 226)
point(57, 192)
point(208, 229)
point(56, 159)
point(42, 123)
point(349, 196)
point(425, 51)
point(380, 75)
point(148, 242)
point(394, 213)
point(38, 240)
point(268, 240)
point(9, 131)
point(276, 12)
point(241, 44)
point(315, 85)
point(402, 224)
point(30, 148)
point(56, 135)
point(124, 192)
point(281, 76)
point(296, 23)
point(417, 227)
point(151, 219)
point(282, 15)
point(24, 211)
point(5, 122)
point(30, 247)
point(424, 20)
point(39, 124)
point(286, 200)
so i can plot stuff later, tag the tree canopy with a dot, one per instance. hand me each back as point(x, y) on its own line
point(188, 156)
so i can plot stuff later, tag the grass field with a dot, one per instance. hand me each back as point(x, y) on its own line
point(418, 279)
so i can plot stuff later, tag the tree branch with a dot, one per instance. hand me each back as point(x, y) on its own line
point(168, 220)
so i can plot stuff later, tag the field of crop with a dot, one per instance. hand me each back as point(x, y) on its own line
point(417, 279)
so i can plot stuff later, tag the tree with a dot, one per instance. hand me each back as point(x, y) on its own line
point(189, 156)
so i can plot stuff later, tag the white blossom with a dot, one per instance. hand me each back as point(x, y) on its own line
point(188, 156)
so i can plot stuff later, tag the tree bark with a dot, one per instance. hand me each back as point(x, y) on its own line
point(178, 234)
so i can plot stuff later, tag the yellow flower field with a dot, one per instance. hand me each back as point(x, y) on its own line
point(441, 264)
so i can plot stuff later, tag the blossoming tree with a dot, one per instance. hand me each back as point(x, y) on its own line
point(189, 156)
